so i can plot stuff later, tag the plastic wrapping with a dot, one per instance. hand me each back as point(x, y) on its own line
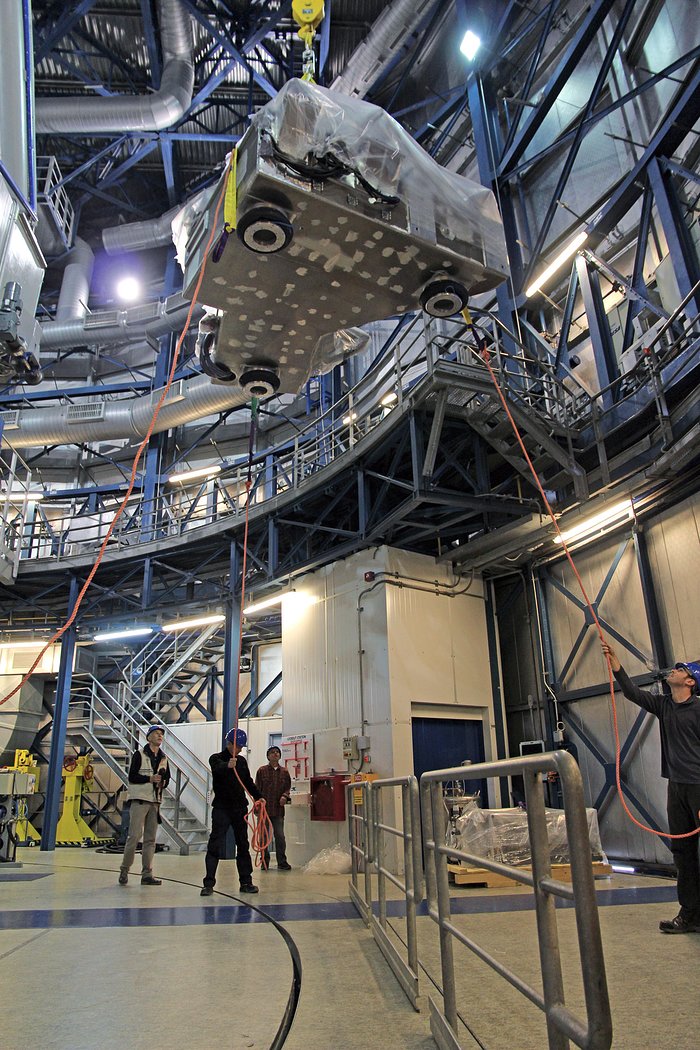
point(333, 861)
point(310, 125)
point(340, 219)
point(501, 835)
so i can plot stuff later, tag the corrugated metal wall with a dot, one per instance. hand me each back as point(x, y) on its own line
point(671, 539)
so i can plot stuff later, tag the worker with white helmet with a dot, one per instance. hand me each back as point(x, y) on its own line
point(149, 774)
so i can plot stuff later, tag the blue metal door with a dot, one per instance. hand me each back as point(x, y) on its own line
point(441, 743)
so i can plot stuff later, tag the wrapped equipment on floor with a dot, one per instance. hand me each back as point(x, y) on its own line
point(501, 835)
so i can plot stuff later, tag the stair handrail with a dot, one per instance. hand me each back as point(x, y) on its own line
point(129, 731)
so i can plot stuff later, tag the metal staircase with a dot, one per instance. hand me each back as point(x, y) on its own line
point(167, 672)
point(113, 725)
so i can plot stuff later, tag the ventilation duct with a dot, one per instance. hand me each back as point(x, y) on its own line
point(386, 36)
point(108, 327)
point(139, 236)
point(75, 288)
point(129, 418)
point(153, 112)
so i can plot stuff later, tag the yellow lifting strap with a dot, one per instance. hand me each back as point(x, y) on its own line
point(230, 199)
point(308, 15)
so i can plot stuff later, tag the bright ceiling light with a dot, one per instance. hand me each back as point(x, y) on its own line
point(128, 289)
point(561, 258)
point(197, 621)
point(470, 45)
point(347, 420)
point(192, 475)
point(267, 603)
point(389, 399)
point(617, 513)
point(130, 632)
point(35, 644)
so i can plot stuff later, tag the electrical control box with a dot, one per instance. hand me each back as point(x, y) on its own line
point(328, 796)
point(350, 748)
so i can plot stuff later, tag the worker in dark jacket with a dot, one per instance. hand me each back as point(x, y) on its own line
point(229, 773)
point(275, 783)
point(679, 722)
point(149, 774)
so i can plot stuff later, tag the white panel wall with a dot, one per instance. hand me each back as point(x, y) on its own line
point(417, 649)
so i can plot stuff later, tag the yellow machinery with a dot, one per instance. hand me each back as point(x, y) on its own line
point(24, 762)
point(72, 830)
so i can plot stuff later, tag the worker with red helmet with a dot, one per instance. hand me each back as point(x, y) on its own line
point(678, 712)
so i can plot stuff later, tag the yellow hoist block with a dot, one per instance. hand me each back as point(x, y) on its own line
point(308, 15)
point(72, 830)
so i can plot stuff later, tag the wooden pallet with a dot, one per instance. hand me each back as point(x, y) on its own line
point(461, 875)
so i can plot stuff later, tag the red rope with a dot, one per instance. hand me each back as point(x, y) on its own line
point(611, 680)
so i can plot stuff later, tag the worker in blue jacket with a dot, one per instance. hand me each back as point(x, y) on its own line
point(678, 712)
point(231, 778)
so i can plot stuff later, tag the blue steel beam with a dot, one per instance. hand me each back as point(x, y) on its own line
point(599, 328)
point(605, 111)
point(534, 63)
point(232, 638)
point(635, 305)
point(61, 28)
point(676, 232)
point(151, 42)
point(597, 14)
point(680, 117)
point(546, 223)
point(229, 47)
point(60, 722)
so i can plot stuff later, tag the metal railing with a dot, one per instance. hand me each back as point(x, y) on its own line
point(408, 834)
point(595, 1033)
point(531, 381)
point(122, 716)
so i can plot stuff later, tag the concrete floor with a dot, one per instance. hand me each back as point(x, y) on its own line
point(88, 965)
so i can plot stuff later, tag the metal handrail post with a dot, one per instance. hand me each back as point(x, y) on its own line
point(547, 933)
point(410, 873)
point(442, 901)
point(379, 852)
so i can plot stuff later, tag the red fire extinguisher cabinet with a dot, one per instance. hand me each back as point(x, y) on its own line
point(328, 796)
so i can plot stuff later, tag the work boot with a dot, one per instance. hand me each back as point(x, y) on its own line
point(680, 924)
point(248, 887)
point(148, 880)
point(206, 891)
point(123, 878)
point(283, 866)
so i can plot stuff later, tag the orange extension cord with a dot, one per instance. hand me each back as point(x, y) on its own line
point(485, 356)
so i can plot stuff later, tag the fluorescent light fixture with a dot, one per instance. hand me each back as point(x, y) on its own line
point(470, 45)
point(267, 603)
point(623, 868)
point(128, 289)
point(389, 398)
point(24, 645)
point(127, 632)
point(197, 621)
point(33, 497)
point(349, 419)
point(191, 475)
point(561, 258)
point(618, 512)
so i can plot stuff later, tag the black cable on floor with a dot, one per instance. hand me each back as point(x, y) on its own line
point(295, 990)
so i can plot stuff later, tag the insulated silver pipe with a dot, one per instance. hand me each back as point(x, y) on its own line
point(152, 112)
point(119, 326)
point(190, 400)
point(139, 236)
point(393, 26)
point(75, 287)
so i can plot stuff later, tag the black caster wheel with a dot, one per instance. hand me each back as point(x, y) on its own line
point(265, 230)
point(259, 382)
point(443, 298)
